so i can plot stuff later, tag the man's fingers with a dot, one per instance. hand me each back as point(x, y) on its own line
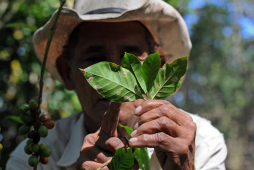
point(90, 165)
point(110, 119)
point(110, 144)
point(162, 124)
point(147, 106)
point(153, 109)
point(157, 140)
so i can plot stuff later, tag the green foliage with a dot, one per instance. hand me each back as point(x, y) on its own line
point(119, 83)
point(168, 79)
point(140, 154)
point(133, 64)
point(122, 160)
point(128, 129)
point(150, 69)
point(142, 157)
point(21, 25)
point(14, 118)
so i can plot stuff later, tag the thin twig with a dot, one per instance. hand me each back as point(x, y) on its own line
point(105, 164)
point(51, 34)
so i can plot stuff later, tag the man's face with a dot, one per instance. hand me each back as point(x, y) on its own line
point(98, 42)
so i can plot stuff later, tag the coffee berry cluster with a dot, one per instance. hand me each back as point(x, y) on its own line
point(30, 117)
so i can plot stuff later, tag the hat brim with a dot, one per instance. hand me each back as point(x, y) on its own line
point(164, 23)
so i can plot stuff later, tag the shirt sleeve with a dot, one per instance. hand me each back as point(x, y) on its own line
point(18, 158)
point(211, 150)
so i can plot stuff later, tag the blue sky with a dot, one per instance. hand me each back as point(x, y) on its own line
point(246, 24)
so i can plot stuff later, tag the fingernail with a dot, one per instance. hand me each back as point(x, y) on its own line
point(133, 140)
point(135, 126)
point(137, 110)
point(134, 133)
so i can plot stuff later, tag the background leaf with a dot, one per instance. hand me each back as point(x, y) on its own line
point(150, 68)
point(112, 82)
point(21, 25)
point(132, 63)
point(142, 157)
point(14, 118)
point(168, 79)
point(122, 160)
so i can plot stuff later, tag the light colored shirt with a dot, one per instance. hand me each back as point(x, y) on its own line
point(66, 139)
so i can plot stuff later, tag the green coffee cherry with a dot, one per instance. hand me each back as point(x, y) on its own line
point(42, 146)
point(24, 108)
point(27, 150)
point(25, 118)
point(33, 104)
point(33, 161)
point(45, 152)
point(34, 148)
point(1, 147)
point(28, 142)
point(24, 129)
point(43, 131)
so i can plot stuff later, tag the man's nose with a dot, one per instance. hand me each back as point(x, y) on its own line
point(116, 57)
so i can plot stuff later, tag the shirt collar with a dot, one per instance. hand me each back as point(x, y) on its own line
point(72, 150)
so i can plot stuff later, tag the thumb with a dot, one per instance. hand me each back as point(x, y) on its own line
point(110, 119)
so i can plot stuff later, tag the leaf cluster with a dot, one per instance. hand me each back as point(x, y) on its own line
point(133, 80)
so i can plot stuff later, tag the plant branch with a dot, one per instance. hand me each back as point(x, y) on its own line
point(51, 34)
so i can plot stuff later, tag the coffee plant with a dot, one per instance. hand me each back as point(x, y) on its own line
point(131, 81)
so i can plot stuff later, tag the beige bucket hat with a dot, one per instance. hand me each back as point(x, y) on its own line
point(163, 21)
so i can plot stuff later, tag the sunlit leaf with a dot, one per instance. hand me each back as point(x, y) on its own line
point(112, 82)
point(132, 63)
point(142, 157)
point(168, 79)
point(150, 68)
point(21, 25)
point(122, 160)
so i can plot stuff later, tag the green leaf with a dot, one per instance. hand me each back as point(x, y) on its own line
point(150, 68)
point(14, 118)
point(132, 63)
point(127, 128)
point(113, 82)
point(21, 25)
point(142, 157)
point(168, 79)
point(122, 160)
point(141, 154)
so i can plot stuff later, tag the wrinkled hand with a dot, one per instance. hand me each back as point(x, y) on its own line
point(167, 129)
point(100, 147)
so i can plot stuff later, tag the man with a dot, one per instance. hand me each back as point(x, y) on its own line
point(103, 31)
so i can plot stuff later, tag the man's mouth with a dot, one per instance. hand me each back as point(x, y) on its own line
point(104, 100)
